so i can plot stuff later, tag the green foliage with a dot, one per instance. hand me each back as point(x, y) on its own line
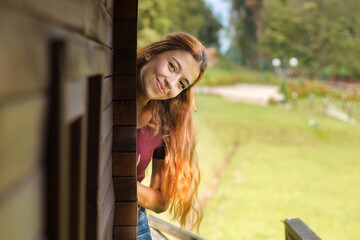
point(324, 35)
point(158, 18)
point(226, 72)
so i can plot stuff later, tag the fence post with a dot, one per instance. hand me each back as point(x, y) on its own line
point(295, 229)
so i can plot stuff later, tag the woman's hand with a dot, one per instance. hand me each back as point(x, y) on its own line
point(152, 197)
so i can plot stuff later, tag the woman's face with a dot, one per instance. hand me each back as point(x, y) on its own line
point(165, 75)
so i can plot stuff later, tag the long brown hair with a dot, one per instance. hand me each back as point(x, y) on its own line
point(173, 117)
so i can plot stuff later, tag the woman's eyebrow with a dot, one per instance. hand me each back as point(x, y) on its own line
point(178, 63)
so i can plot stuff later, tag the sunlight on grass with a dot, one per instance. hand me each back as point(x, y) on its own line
point(283, 169)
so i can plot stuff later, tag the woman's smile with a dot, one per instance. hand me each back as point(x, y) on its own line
point(160, 86)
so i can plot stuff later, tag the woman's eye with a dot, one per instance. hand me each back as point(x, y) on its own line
point(172, 67)
point(182, 85)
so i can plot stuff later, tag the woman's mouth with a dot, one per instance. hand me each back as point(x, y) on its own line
point(159, 86)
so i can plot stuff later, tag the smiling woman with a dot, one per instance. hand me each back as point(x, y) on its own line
point(166, 72)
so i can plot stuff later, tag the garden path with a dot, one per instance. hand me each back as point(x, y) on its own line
point(243, 92)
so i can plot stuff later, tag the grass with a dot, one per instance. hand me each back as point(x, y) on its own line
point(282, 169)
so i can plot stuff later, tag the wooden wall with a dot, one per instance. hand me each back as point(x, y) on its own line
point(67, 119)
point(124, 144)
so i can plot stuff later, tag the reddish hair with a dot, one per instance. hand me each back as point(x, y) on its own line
point(173, 117)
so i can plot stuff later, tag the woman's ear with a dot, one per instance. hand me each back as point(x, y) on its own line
point(148, 57)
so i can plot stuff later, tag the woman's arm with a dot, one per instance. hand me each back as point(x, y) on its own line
point(151, 197)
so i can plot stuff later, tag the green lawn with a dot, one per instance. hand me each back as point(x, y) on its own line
point(282, 169)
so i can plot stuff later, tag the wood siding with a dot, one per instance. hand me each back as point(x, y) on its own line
point(58, 150)
point(68, 119)
point(123, 84)
point(124, 131)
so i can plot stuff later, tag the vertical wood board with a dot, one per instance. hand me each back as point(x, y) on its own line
point(124, 87)
point(125, 214)
point(124, 139)
point(124, 233)
point(125, 188)
point(124, 112)
point(124, 164)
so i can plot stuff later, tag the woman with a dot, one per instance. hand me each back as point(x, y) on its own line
point(166, 72)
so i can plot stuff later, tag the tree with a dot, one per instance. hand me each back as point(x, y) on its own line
point(158, 17)
point(247, 19)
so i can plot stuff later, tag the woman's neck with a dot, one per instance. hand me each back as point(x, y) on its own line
point(143, 115)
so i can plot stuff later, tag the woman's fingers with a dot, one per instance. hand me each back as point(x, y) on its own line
point(138, 160)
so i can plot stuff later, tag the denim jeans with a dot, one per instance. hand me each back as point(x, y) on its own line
point(143, 230)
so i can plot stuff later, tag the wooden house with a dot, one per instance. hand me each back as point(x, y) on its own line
point(68, 122)
point(68, 119)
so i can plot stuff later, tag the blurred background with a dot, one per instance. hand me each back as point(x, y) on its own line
point(278, 112)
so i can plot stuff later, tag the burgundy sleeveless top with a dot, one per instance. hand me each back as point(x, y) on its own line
point(148, 145)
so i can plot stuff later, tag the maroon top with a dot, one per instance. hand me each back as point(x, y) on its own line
point(146, 144)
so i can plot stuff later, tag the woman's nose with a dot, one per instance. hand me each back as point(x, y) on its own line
point(171, 81)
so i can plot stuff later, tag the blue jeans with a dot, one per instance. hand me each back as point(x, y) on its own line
point(143, 230)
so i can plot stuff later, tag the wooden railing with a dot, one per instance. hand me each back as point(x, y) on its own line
point(159, 226)
point(295, 229)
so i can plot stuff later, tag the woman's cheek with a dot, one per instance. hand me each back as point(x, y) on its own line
point(162, 69)
point(174, 93)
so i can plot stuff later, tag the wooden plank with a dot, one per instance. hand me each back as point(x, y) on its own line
point(124, 87)
point(109, 62)
point(106, 149)
point(107, 91)
point(124, 112)
point(125, 36)
point(83, 59)
point(98, 23)
point(168, 228)
point(22, 210)
point(125, 188)
point(124, 164)
point(156, 234)
point(108, 232)
point(21, 139)
point(104, 182)
point(124, 139)
point(66, 12)
point(94, 135)
point(107, 122)
point(124, 61)
point(107, 209)
point(124, 233)
point(78, 147)
point(24, 57)
point(125, 214)
point(92, 221)
point(296, 229)
point(110, 7)
point(125, 10)
point(74, 99)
